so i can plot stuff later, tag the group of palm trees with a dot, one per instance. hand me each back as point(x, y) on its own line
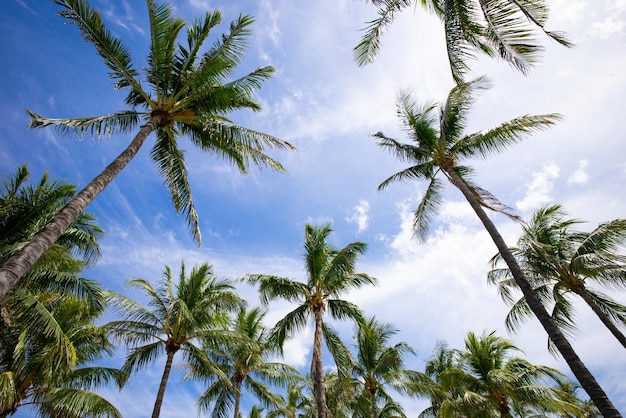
point(50, 339)
point(190, 95)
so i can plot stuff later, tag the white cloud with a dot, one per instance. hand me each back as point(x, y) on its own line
point(579, 176)
point(613, 24)
point(538, 190)
point(360, 215)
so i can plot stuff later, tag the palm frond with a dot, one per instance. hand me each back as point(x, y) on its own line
point(427, 208)
point(70, 402)
point(164, 31)
point(170, 161)
point(96, 127)
point(367, 49)
point(116, 56)
point(498, 139)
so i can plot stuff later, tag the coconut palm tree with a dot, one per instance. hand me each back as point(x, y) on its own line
point(182, 92)
point(439, 151)
point(34, 371)
point(506, 29)
point(379, 366)
point(560, 262)
point(43, 317)
point(245, 362)
point(178, 316)
point(330, 273)
point(486, 380)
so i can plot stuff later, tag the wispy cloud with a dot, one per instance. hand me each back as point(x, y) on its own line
point(579, 176)
point(538, 190)
point(360, 215)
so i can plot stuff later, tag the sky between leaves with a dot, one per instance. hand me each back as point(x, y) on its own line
point(320, 101)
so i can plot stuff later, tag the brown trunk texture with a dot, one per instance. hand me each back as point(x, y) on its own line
point(317, 372)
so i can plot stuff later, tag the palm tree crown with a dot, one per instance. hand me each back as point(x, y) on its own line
point(440, 150)
point(330, 274)
point(245, 361)
point(486, 380)
point(560, 262)
point(181, 92)
point(379, 367)
point(179, 316)
point(506, 29)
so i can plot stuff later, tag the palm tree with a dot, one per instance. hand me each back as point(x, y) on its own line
point(506, 29)
point(34, 371)
point(25, 208)
point(244, 361)
point(188, 95)
point(486, 380)
point(330, 273)
point(561, 262)
point(379, 366)
point(47, 334)
point(178, 316)
point(440, 150)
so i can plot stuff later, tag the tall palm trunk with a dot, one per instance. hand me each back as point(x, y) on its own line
point(166, 374)
point(373, 400)
point(317, 372)
point(16, 266)
point(584, 376)
point(603, 317)
point(237, 397)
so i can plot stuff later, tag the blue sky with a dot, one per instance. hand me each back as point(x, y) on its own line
point(321, 102)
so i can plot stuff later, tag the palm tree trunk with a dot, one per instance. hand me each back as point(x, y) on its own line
point(237, 399)
point(16, 266)
point(603, 317)
point(317, 372)
point(161, 392)
point(584, 376)
point(374, 408)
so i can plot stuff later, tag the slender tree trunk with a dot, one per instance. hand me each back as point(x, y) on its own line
point(161, 392)
point(16, 266)
point(374, 407)
point(583, 375)
point(603, 317)
point(237, 399)
point(317, 372)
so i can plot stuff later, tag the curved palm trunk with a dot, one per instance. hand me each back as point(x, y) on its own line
point(317, 373)
point(583, 375)
point(161, 392)
point(16, 266)
point(603, 317)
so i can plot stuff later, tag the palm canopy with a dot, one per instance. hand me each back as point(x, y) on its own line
point(378, 367)
point(486, 379)
point(178, 317)
point(245, 361)
point(188, 90)
point(330, 274)
point(31, 372)
point(562, 261)
point(506, 29)
point(183, 91)
point(439, 145)
point(25, 207)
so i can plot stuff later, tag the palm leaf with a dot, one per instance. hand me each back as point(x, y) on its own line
point(96, 127)
point(116, 56)
point(367, 49)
